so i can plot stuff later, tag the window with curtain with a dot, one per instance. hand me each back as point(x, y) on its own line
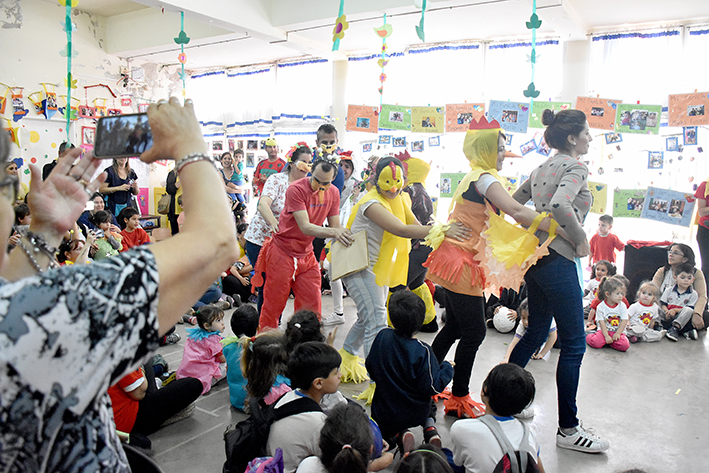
point(696, 75)
point(638, 65)
point(508, 70)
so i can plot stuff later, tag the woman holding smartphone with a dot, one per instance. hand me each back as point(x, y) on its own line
point(120, 186)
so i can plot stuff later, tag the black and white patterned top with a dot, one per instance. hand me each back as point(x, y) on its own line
point(65, 337)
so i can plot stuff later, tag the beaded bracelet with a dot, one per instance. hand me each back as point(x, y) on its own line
point(39, 245)
point(192, 158)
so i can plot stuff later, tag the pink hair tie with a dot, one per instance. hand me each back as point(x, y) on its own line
point(347, 445)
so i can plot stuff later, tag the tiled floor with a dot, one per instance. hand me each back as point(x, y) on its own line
point(652, 404)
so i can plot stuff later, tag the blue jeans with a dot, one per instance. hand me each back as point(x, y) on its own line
point(212, 295)
point(252, 252)
point(553, 290)
point(371, 311)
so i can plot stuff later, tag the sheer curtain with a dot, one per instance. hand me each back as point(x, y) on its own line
point(696, 75)
point(639, 65)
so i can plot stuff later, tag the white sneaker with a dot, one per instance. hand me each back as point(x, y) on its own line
point(527, 413)
point(582, 441)
point(334, 319)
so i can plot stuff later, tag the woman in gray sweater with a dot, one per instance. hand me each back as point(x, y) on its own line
point(560, 186)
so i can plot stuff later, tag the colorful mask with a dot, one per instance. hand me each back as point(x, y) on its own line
point(391, 178)
point(329, 149)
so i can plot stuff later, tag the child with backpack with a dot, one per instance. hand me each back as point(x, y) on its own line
point(314, 370)
point(406, 373)
point(244, 323)
point(506, 391)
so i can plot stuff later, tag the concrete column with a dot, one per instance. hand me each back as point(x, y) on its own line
point(575, 70)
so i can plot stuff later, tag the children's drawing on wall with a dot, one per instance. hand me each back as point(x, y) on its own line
point(217, 145)
point(396, 116)
point(399, 142)
point(528, 147)
point(672, 143)
point(655, 159)
point(690, 135)
point(366, 147)
point(613, 138)
point(434, 141)
point(449, 183)
point(445, 186)
point(252, 144)
point(417, 145)
point(250, 160)
point(695, 110)
point(543, 148)
point(669, 206)
point(385, 139)
point(628, 203)
point(363, 123)
point(231, 145)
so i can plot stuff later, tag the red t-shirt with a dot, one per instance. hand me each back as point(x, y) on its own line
point(703, 221)
point(125, 408)
point(135, 238)
point(603, 248)
point(300, 196)
point(263, 171)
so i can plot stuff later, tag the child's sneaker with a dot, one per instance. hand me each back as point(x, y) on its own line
point(691, 335)
point(633, 339)
point(582, 441)
point(527, 413)
point(406, 442)
point(430, 435)
point(673, 334)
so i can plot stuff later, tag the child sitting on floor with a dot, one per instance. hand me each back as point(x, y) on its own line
point(591, 314)
point(600, 270)
point(108, 240)
point(406, 373)
point(611, 317)
point(678, 303)
point(132, 233)
point(203, 358)
point(644, 315)
point(264, 364)
point(522, 328)
point(244, 323)
point(314, 370)
point(506, 391)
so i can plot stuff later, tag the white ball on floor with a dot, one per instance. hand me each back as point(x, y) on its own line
point(501, 322)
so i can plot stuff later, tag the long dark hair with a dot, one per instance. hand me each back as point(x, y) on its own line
point(686, 250)
point(561, 125)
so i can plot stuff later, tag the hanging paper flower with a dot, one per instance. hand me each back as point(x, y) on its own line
point(338, 32)
point(182, 57)
point(382, 77)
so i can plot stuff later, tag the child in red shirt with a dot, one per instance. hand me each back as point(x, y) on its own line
point(132, 234)
point(604, 243)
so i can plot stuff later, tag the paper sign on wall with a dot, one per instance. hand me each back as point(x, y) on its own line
point(427, 119)
point(459, 116)
point(663, 205)
point(395, 117)
point(642, 119)
point(689, 109)
point(600, 113)
point(600, 197)
point(510, 184)
point(535, 119)
point(449, 183)
point(362, 118)
point(628, 203)
point(512, 116)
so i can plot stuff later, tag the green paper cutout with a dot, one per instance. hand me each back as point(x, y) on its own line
point(419, 27)
point(336, 42)
point(69, 49)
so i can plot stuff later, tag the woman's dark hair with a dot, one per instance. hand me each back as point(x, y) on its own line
point(312, 360)
point(407, 312)
point(686, 250)
point(425, 459)
point(560, 125)
point(346, 440)
point(207, 314)
point(124, 215)
point(21, 211)
point(99, 217)
point(242, 227)
point(303, 327)
point(263, 359)
point(226, 153)
point(609, 266)
point(509, 389)
point(66, 247)
point(96, 194)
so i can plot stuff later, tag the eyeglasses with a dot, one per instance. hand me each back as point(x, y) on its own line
point(675, 253)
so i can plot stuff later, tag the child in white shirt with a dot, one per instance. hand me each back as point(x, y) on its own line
point(611, 317)
point(644, 315)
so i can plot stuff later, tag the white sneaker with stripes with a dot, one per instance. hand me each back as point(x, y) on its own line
point(582, 441)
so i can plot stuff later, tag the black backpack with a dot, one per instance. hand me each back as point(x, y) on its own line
point(247, 439)
point(512, 461)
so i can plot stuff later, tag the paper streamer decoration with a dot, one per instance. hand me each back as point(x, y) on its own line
point(73, 109)
point(689, 109)
point(533, 23)
point(535, 119)
point(36, 99)
point(419, 27)
point(459, 116)
point(600, 197)
point(3, 100)
point(383, 32)
point(641, 119)
point(449, 183)
point(18, 105)
point(50, 102)
point(362, 118)
point(663, 205)
point(338, 32)
point(628, 203)
point(13, 131)
point(182, 39)
point(70, 82)
point(512, 116)
point(600, 113)
point(395, 117)
point(428, 119)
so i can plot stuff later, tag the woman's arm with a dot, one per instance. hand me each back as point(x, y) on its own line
point(511, 347)
point(701, 288)
point(385, 219)
point(702, 209)
point(524, 215)
point(524, 193)
point(84, 255)
point(551, 340)
point(173, 184)
point(264, 207)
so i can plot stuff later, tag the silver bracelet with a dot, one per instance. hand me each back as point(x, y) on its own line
point(192, 158)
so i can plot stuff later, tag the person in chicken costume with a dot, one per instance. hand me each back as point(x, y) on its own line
point(497, 255)
point(385, 213)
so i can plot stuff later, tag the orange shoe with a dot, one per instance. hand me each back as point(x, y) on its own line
point(463, 407)
point(446, 394)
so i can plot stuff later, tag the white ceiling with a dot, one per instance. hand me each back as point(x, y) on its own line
point(242, 32)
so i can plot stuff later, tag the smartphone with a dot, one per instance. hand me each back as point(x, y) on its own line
point(122, 136)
